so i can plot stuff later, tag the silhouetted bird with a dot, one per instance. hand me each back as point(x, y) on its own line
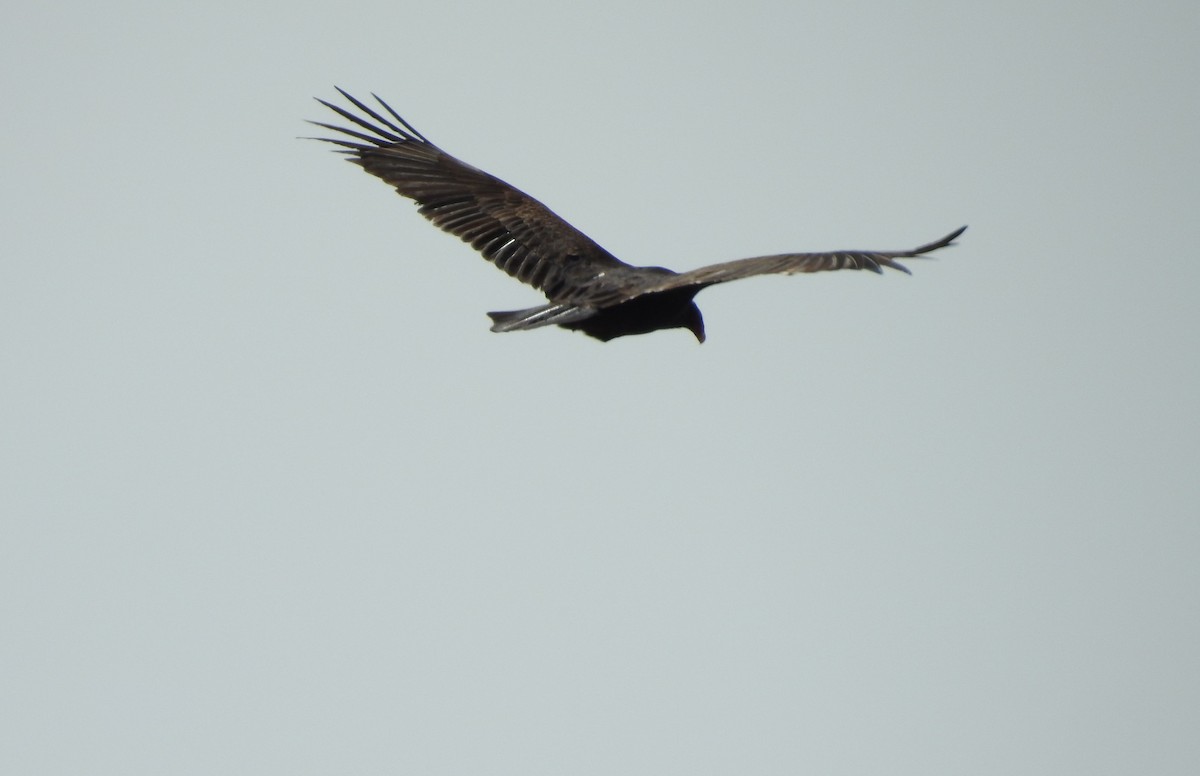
point(588, 288)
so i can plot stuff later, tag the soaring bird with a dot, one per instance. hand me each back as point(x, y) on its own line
point(588, 289)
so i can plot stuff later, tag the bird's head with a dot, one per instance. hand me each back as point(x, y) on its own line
point(693, 321)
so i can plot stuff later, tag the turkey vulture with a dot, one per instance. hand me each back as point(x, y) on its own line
point(588, 288)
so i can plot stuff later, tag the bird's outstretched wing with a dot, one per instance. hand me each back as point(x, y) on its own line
point(511, 229)
point(794, 263)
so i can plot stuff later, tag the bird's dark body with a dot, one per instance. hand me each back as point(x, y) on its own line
point(588, 289)
point(644, 314)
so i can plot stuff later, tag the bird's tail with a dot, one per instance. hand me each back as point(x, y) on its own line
point(534, 317)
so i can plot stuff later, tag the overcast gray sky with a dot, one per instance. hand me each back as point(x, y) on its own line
point(275, 501)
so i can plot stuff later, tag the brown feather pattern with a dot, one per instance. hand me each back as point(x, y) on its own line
point(510, 228)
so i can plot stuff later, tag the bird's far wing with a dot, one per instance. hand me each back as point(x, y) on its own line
point(510, 228)
point(794, 263)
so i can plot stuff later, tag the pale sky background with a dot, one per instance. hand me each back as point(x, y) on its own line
point(275, 501)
